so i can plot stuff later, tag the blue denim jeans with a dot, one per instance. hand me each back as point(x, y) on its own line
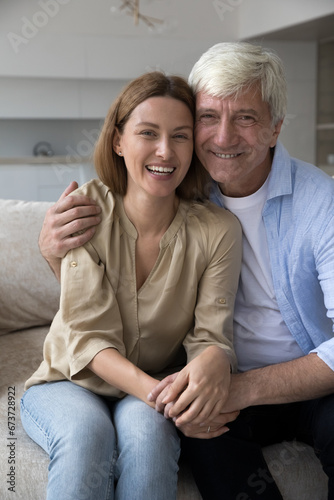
point(101, 449)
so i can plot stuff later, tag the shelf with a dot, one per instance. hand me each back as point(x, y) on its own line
point(46, 160)
point(325, 126)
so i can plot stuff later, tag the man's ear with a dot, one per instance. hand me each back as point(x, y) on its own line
point(276, 133)
point(116, 143)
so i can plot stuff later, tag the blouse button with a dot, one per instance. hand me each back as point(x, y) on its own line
point(73, 263)
point(222, 301)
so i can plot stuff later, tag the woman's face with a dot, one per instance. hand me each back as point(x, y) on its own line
point(157, 146)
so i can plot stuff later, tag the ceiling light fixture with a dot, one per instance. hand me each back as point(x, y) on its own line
point(132, 8)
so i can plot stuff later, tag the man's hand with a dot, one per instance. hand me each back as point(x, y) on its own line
point(198, 392)
point(205, 430)
point(69, 215)
point(208, 430)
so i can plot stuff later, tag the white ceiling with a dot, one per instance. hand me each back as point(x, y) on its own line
point(183, 19)
point(210, 20)
point(86, 39)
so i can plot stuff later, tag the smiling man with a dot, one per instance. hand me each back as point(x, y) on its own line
point(283, 322)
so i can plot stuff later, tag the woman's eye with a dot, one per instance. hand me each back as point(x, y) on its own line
point(148, 133)
point(181, 136)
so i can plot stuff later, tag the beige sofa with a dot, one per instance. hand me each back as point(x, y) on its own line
point(29, 296)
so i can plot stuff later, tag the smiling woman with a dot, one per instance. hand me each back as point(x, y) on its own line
point(152, 290)
point(110, 165)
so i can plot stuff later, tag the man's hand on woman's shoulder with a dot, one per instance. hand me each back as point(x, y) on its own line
point(71, 215)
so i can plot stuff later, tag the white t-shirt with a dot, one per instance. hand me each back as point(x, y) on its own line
point(260, 335)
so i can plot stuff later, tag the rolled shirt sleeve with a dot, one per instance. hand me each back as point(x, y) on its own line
point(89, 315)
point(217, 290)
point(325, 267)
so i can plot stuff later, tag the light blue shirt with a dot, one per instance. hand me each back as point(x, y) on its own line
point(299, 220)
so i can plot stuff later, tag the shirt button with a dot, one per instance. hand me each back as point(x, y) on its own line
point(222, 301)
point(73, 263)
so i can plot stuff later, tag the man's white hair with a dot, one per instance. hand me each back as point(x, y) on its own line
point(231, 68)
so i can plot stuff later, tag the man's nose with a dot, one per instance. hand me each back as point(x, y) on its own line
point(225, 133)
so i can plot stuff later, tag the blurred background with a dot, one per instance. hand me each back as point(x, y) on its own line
point(64, 61)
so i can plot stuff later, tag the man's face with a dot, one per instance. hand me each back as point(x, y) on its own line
point(233, 138)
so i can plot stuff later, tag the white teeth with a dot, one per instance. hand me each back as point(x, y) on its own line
point(221, 155)
point(161, 170)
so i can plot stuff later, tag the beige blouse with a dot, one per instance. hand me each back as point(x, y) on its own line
point(186, 302)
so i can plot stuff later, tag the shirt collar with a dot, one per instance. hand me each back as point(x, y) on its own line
point(280, 178)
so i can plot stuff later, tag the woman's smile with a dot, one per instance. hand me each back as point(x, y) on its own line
point(160, 170)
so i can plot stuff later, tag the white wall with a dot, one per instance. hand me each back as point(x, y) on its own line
point(58, 85)
point(258, 17)
point(299, 129)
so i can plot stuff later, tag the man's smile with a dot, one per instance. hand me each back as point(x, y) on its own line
point(228, 155)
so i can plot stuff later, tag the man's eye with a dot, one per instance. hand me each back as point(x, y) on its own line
point(206, 117)
point(246, 119)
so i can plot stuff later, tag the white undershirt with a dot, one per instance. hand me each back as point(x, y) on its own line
point(261, 337)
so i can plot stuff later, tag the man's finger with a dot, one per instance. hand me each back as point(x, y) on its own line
point(176, 387)
point(72, 187)
point(207, 433)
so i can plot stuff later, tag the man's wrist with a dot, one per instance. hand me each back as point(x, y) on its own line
point(246, 385)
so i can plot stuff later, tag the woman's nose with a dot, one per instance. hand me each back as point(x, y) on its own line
point(164, 148)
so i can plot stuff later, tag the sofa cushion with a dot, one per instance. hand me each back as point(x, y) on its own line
point(29, 292)
point(21, 353)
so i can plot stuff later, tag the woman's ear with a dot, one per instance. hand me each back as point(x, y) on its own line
point(116, 143)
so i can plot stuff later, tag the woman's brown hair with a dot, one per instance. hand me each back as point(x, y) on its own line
point(110, 167)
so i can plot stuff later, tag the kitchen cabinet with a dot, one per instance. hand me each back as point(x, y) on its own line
point(35, 179)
